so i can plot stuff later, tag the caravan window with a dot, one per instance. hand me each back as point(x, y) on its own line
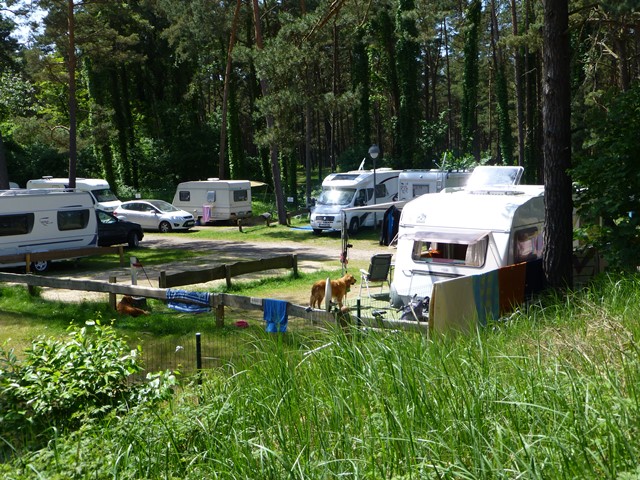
point(240, 195)
point(73, 219)
point(381, 190)
point(420, 189)
point(184, 195)
point(211, 196)
point(20, 224)
point(458, 254)
point(528, 245)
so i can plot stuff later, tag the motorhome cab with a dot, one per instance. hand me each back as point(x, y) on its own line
point(213, 199)
point(43, 220)
point(465, 232)
point(353, 189)
point(413, 183)
point(98, 188)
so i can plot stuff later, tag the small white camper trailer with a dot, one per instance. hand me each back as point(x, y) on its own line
point(214, 200)
point(43, 220)
point(97, 187)
point(413, 183)
point(465, 232)
point(353, 189)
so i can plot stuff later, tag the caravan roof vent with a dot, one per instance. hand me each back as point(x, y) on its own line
point(212, 179)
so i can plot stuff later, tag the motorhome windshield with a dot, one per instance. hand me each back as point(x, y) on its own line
point(336, 196)
point(104, 195)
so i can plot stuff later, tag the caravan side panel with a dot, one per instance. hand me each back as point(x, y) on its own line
point(33, 221)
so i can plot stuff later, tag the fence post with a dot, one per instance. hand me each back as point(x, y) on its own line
point(112, 296)
point(227, 270)
point(295, 265)
point(162, 279)
point(198, 357)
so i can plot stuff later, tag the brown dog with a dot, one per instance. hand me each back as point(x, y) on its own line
point(339, 289)
point(126, 307)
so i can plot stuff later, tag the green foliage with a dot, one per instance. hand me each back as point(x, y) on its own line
point(62, 382)
point(609, 180)
point(551, 393)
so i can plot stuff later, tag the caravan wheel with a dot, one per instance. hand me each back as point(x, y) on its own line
point(354, 226)
point(40, 266)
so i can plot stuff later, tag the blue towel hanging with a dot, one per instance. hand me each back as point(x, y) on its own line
point(275, 314)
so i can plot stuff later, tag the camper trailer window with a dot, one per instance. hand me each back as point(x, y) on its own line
point(185, 196)
point(73, 219)
point(420, 190)
point(16, 224)
point(471, 255)
point(528, 245)
point(240, 195)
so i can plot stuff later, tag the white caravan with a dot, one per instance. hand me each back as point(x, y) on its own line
point(42, 220)
point(353, 189)
point(214, 199)
point(413, 183)
point(468, 231)
point(98, 188)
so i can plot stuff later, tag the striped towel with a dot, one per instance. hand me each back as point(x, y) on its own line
point(189, 302)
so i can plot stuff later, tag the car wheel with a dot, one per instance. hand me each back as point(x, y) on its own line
point(164, 227)
point(354, 226)
point(40, 266)
point(133, 240)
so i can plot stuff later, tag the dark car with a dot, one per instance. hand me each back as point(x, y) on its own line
point(114, 231)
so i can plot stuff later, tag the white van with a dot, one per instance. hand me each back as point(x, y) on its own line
point(413, 183)
point(98, 188)
point(465, 232)
point(42, 220)
point(353, 189)
point(214, 199)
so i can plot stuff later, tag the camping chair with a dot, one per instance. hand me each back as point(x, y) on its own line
point(378, 272)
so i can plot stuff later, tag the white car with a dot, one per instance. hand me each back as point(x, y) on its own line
point(155, 215)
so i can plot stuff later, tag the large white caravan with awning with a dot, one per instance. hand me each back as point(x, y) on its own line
point(43, 220)
point(465, 232)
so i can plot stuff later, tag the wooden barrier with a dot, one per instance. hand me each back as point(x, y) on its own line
point(295, 213)
point(28, 258)
point(262, 219)
point(227, 271)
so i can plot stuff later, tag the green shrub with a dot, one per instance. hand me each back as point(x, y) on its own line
point(60, 383)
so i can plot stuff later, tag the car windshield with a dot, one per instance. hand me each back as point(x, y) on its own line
point(105, 217)
point(163, 206)
point(336, 196)
point(104, 195)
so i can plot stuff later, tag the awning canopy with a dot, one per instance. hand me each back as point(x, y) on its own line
point(255, 183)
point(446, 235)
point(380, 207)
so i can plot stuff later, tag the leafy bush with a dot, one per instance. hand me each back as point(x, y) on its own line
point(609, 180)
point(61, 382)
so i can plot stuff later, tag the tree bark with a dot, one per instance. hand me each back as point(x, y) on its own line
point(4, 171)
point(73, 151)
point(275, 165)
point(556, 114)
point(225, 93)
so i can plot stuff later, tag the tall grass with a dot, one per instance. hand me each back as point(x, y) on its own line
point(551, 393)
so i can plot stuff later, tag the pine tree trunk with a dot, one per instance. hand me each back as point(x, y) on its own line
point(557, 145)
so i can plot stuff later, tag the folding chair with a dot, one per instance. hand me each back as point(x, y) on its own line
point(378, 272)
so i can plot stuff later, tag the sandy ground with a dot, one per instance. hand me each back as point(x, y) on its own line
point(310, 258)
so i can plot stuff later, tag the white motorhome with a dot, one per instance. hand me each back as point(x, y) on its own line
point(42, 220)
point(413, 183)
point(468, 231)
point(98, 188)
point(214, 199)
point(353, 189)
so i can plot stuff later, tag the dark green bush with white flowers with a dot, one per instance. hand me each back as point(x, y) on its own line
point(61, 383)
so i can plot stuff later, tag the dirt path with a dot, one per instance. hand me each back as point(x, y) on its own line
point(310, 258)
